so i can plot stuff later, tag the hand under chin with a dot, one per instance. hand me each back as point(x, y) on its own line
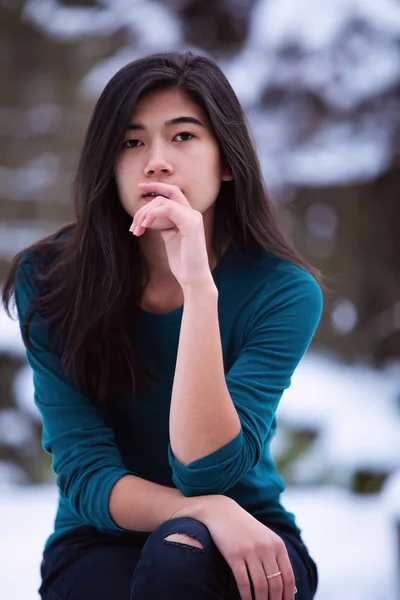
point(160, 224)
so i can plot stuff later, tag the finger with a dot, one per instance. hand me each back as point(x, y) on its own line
point(242, 580)
point(288, 579)
point(275, 583)
point(144, 209)
point(259, 580)
point(158, 211)
point(152, 216)
point(173, 192)
point(184, 218)
point(165, 222)
point(141, 214)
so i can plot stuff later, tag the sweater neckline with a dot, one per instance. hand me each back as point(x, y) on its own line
point(176, 314)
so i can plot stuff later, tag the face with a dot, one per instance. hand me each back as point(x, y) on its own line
point(170, 140)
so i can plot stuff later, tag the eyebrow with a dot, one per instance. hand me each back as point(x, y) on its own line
point(170, 123)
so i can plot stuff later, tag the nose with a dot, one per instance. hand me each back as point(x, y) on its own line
point(158, 163)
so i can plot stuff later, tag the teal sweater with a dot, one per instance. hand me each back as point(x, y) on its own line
point(268, 312)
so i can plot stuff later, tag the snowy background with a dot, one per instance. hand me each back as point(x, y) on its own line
point(320, 83)
point(351, 539)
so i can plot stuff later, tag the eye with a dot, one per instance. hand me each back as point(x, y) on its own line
point(131, 143)
point(185, 135)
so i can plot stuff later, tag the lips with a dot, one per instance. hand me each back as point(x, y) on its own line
point(151, 196)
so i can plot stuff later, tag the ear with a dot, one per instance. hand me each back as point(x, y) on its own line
point(226, 174)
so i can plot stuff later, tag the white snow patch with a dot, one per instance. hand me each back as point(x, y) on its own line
point(350, 538)
point(10, 334)
point(354, 409)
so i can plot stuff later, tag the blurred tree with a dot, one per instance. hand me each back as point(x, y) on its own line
point(348, 228)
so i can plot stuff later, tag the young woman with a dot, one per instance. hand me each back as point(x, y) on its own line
point(162, 327)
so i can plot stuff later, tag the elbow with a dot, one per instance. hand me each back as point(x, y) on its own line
point(217, 473)
point(190, 488)
point(74, 489)
point(87, 495)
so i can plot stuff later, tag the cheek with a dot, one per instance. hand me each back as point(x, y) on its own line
point(205, 177)
point(118, 175)
point(210, 170)
point(123, 177)
point(124, 188)
point(204, 191)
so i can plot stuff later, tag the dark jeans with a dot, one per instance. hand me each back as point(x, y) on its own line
point(86, 564)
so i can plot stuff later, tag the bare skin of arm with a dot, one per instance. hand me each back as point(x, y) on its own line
point(203, 417)
point(140, 505)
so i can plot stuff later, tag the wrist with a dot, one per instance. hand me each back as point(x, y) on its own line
point(200, 291)
point(200, 507)
point(188, 507)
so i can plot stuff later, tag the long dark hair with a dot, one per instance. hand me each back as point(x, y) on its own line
point(90, 275)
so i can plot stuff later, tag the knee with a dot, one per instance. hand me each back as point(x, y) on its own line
point(186, 540)
point(184, 532)
point(178, 556)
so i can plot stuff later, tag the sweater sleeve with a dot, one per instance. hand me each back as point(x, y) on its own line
point(279, 333)
point(86, 460)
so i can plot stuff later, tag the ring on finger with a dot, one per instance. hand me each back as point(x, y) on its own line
point(277, 575)
point(274, 575)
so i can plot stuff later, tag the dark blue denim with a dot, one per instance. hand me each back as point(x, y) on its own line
point(86, 564)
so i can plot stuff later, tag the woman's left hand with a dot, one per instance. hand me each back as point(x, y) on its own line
point(182, 230)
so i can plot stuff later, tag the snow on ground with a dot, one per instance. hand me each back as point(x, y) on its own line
point(353, 407)
point(351, 539)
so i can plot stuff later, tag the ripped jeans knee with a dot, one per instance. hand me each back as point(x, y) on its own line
point(184, 540)
point(179, 560)
point(186, 531)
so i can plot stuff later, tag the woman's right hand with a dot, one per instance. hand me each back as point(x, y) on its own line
point(250, 548)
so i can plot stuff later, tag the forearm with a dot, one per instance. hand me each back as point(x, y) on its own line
point(203, 417)
point(140, 505)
